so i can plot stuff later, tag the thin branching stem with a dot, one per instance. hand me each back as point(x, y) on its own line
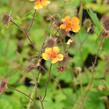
point(19, 91)
point(22, 30)
point(32, 21)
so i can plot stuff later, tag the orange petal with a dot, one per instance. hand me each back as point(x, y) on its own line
point(48, 50)
point(45, 56)
point(75, 20)
point(55, 60)
point(76, 28)
point(67, 18)
point(45, 3)
point(56, 49)
point(60, 57)
point(38, 6)
point(62, 26)
point(41, 4)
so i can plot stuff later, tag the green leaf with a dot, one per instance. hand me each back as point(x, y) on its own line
point(98, 27)
point(94, 101)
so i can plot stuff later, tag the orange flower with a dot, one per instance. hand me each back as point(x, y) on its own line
point(41, 3)
point(52, 54)
point(70, 24)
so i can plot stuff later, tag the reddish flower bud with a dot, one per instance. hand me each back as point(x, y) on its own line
point(61, 68)
point(105, 34)
point(51, 42)
point(3, 85)
point(106, 1)
point(6, 19)
point(105, 21)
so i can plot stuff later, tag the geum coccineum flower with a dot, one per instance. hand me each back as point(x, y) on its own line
point(52, 54)
point(39, 4)
point(70, 24)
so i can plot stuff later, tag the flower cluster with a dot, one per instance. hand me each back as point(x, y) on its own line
point(52, 54)
point(70, 24)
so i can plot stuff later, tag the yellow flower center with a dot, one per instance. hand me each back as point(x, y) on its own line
point(52, 55)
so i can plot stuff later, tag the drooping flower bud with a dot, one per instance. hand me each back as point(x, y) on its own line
point(3, 85)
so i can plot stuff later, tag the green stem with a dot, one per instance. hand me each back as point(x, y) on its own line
point(81, 12)
point(32, 104)
point(49, 77)
point(22, 30)
point(30, 26)
point(19, 91)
